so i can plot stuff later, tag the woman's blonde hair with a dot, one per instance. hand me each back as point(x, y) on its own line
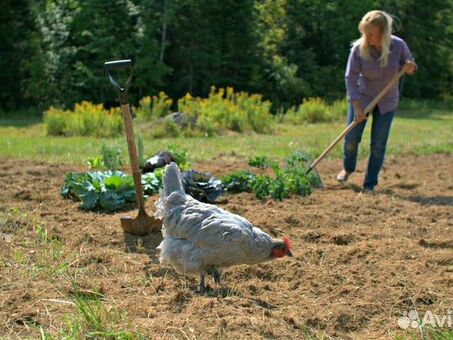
point(384, 22)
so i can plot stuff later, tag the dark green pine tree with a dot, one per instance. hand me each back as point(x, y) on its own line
point(427, 27)
point(16, 51)
point(209, 43)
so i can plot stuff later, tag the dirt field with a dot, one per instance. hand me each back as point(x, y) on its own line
point(359, 262)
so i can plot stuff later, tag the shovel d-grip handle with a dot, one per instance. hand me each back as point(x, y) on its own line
point(119, 65)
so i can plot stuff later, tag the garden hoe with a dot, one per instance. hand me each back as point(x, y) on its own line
point(351, 126)
point(143, 224)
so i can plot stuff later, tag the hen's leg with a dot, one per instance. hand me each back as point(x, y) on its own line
point(216, 276)
point(201, 286)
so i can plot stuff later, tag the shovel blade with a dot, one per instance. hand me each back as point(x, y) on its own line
point(142, 225)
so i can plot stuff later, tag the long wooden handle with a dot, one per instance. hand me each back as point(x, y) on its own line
point(351, 126)
point(133, 155)
point(384, 91)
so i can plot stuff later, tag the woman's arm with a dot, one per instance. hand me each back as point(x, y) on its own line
point(352, 86)
point(352, 75)
point(407, 60)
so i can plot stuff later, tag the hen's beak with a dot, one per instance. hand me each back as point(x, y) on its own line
point(288, 252)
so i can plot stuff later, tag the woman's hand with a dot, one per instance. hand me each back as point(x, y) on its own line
point(359, 116)
point(409, 67)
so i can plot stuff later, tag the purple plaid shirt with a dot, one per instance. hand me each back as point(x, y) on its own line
point(366, 78)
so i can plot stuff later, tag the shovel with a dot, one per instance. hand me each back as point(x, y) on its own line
point(143, 224)
point(351, 126)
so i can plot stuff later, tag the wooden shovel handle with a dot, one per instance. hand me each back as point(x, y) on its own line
point(367, 111)
point(133, 155)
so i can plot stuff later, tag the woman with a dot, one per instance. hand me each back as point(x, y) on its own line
point(373, 61)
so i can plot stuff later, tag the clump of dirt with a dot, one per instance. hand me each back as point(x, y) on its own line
point(359, 262)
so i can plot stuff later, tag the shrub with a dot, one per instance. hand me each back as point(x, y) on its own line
point(223, 110)
point(165, 128)
point(86, 119)
point(312, 110)
point(257, 111)
point(56, 123)
point(338, 109)
point(154, 107)
point(226, 110)
point(315, 110)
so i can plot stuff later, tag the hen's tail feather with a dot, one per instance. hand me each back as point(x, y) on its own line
point(172, 180)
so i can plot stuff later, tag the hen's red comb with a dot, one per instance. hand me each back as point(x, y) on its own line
point(287, 242)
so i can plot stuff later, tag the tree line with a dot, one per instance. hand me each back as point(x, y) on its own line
point(52, 51)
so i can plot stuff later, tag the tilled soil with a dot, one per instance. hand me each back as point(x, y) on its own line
point(360, 262)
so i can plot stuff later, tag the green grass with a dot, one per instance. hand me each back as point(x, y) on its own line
point(93, 319)
point(418, 129)
point(424, 333)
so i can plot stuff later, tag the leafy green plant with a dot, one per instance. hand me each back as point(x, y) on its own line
point(238, 181)
point(279, 188)
point(297, 164)
point(108, 190)
point(110, 158)
point(292, 179)
point(95, 163)
point(180, 157)
point(152, 182)
point(260, 162)
point(260, 186)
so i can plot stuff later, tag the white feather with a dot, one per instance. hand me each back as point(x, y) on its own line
point(199, 235)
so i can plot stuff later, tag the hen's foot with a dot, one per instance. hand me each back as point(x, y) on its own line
point(201, 286)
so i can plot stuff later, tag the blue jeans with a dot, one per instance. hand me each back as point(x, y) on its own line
point(380, 130)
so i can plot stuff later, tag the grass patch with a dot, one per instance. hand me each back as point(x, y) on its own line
point(93, 319)
point(425, 333)
point(413, 132)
